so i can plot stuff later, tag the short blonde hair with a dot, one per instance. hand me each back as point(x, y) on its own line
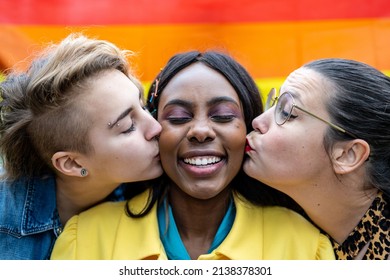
point(39, 115)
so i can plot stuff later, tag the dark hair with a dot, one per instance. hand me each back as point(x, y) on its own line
point(360, 103)
point(38, 112)
point(249, 95)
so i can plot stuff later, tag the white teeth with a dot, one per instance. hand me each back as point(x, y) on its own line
point(201, 161)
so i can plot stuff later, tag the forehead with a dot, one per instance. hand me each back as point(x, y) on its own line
point(303, 79)
point(307, 85)
point(111, 91)
point(198, 81)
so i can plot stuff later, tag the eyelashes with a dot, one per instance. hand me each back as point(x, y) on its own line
point(130, 129)
point(185, 119)
point(223, 112)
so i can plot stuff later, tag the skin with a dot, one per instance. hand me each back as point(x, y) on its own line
point(292, 158)
point(123, 137)
point(291, 145)
point(202, 120)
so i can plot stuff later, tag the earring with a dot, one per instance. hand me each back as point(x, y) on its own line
point(83, 172)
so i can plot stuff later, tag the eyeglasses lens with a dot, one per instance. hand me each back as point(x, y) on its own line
point(283, 108)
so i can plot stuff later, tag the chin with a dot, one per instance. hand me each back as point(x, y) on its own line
point(248, 170)
point(156, 173)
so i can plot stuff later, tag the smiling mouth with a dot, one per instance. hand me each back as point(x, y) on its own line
point(202, 161)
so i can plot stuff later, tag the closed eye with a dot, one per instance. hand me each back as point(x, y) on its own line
point(177, 114)
point(130, 129)
point(178, 120)
point(223, 118)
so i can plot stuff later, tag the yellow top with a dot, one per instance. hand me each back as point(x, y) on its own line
point(269, 233)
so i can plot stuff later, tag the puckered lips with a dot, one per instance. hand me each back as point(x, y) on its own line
point(248, 147)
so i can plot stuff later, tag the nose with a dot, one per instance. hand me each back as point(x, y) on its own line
point(201, 131)
point(152, 127)
point(262, 122)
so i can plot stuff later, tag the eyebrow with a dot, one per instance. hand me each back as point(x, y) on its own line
point(179, 102)
point(221, 99)
point(211, 102)
point(120, 117)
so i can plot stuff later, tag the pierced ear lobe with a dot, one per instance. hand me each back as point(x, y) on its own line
point(348, 156)
point(83, 172)
point(66, 163)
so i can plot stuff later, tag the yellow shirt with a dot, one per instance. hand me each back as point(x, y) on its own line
point(269, 233)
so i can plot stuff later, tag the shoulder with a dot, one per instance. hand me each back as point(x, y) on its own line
point(289, 220)
point(13, 198)
point(29, 199)
point(102, 214)
point(287, 216)
point(19, 190)
point(90, 234)
point(28, 219)
point(282, 233)
point(302, 238)
point(113, 209)
point(106, 232)
point(110, 212)
point(274, 215)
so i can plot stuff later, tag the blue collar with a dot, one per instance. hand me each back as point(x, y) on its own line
point(31, 205)
point(41, 203)
point(170, 236)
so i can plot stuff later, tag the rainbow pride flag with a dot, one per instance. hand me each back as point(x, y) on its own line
point(270, 38)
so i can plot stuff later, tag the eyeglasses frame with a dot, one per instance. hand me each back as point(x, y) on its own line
point(294, 105)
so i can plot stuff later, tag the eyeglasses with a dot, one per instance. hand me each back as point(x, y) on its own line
point(284, 106)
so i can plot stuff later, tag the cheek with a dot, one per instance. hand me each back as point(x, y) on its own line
point(169, 140)
point(170, 135)
point(277, 146)
point(235, 141)
point(294, 146)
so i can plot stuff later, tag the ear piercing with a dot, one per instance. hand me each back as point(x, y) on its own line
point(83, 172)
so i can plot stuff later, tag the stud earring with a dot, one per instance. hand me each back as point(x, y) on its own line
point(83, 172)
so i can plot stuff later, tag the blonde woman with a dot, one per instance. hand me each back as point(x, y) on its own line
point(73, 129)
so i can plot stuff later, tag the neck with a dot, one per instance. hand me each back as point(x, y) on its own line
point(337, 212)
point(198, 220)
point(75, 195)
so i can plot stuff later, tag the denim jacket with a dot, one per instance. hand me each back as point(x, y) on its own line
point(29, 221)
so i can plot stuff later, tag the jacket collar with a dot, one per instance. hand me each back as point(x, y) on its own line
point(40, 206)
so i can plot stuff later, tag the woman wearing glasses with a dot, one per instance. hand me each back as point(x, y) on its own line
point(325, 142)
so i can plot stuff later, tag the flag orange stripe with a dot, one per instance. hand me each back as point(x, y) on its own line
point(267, 50)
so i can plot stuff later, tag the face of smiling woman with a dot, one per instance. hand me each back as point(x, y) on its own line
point(203, 131)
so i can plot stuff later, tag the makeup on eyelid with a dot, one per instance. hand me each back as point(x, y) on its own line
point(218, 110)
